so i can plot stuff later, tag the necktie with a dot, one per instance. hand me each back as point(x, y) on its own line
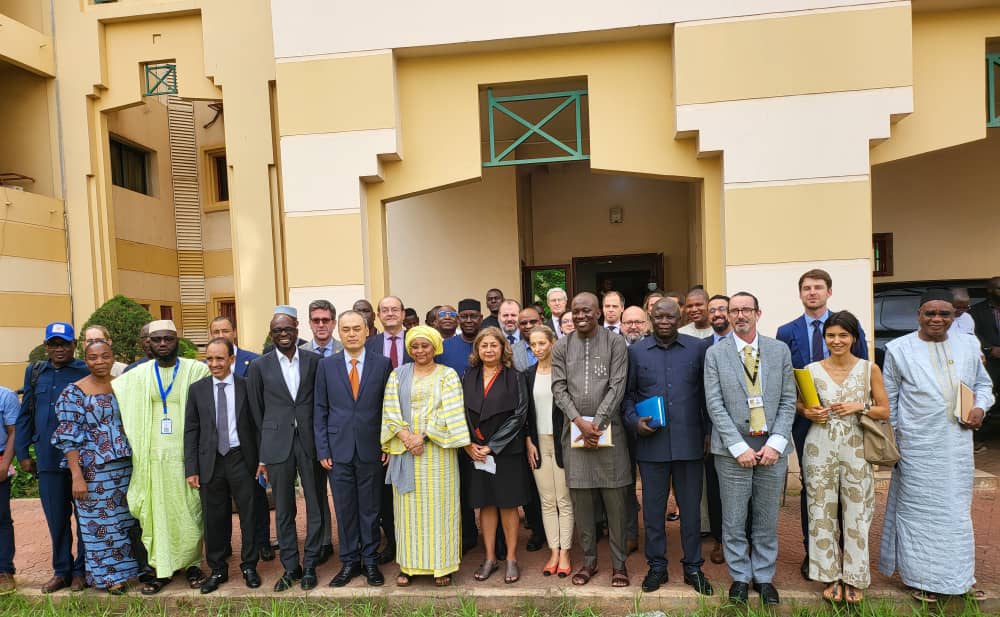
point(758, 421)
point(393, 354)
point(510, 337)
point(612, 328)
point(222, 419)
point(354, 379)
point(817, 341)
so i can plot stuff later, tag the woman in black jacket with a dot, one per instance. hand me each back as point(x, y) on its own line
point(496, 407)
point(545, 422)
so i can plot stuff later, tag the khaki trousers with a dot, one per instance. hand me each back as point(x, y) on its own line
point(557, 507)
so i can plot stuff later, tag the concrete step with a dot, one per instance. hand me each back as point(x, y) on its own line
point(984, 484)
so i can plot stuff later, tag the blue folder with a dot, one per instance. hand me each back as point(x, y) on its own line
point(654, 408)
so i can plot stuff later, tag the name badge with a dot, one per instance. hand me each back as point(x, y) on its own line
point(755, 402)
point(166, 426)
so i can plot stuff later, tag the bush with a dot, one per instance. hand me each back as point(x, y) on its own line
point(38, 354)
point(187, 349)
point(23, 484)
point(124, 318)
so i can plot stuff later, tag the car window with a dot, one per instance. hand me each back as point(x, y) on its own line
point(899, 312)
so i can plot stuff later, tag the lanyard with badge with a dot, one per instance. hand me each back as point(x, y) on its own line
point(758, 422)
point(166, 425)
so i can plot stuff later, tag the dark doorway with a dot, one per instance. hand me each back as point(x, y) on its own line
point(629, 274)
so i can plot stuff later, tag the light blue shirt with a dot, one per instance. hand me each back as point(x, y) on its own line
point(361, 363)
point(9, 409)
point(809, 330)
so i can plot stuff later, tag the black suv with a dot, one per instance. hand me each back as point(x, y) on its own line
point(896, 307)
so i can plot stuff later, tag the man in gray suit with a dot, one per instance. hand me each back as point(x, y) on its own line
point(280, 387)
point(750, 392)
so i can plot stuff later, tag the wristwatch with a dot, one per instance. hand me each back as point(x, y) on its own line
point(867, 408)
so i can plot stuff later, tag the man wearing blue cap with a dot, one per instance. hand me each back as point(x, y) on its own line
point(43, 383)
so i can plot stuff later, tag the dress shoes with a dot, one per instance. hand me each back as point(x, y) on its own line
point(535, 543)
point(309, 580)
point(212, 582)
point(288, 579)
point(346, 575)
point(696, 578)
point(251, 578)
point(266, 553)
point(653, 580)
point(739, 593)
point(55, 584)
point(79, 583)
point(325, 552)
point(373, 576)
point(388, 554)
point(768, 594)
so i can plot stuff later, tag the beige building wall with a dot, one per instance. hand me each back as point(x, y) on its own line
point(27, 134)
point(570, 204)
point(941, 208)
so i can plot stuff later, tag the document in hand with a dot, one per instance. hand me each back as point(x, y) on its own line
point(966, 401)
point(807, 387)
point(653, 408)
point(574, 434)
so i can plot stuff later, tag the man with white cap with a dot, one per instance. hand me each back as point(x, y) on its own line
point(152, 398)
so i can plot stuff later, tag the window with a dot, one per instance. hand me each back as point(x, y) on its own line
point(166, 311)
point(227, 309)
point(129, 167)
point(215, 179)
point(221, 178)
point(881, 254)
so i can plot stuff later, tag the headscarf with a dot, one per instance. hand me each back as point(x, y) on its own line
point(426, 332)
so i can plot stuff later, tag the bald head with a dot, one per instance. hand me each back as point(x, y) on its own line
point(634, 324)
point(586, 312)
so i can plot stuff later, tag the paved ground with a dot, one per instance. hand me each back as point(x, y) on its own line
point(33, 568)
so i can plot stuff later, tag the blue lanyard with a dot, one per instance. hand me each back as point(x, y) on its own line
point(159, 382)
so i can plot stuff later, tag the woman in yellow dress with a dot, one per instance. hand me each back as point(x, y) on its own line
point(423, 426)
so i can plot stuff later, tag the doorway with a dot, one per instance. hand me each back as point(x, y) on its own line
point(630, 275)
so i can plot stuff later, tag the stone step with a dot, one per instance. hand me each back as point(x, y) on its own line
point(984, 484)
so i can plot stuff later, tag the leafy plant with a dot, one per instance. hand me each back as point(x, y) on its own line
point(38, 354)
point(187, 349)
point(124, 318)
point(23, 484)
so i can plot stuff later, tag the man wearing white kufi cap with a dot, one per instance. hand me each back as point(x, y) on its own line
point(152, 398)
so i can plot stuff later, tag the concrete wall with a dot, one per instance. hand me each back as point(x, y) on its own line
point(25, 147)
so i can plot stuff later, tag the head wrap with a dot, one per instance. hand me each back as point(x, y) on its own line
point(469, 304)
point(426, 332)
point(937, 294)
point(284, 309)
point(162, 325)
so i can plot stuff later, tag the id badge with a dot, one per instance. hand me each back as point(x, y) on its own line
point(755, 402)
point(166, 426)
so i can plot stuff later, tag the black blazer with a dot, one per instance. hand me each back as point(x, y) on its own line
point(376, 345)
point(274, 411)
point(988, 335)
point(500, 416)
point(343, 425)
point(557, 416)
point(201, 436)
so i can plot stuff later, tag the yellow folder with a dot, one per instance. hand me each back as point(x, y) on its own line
point(807, 387)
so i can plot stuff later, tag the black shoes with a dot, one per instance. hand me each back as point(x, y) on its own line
point(251, 578)
point(346, 575)
point(739, 593)
point(309, 580)
point(696, 578)
point(653, 580)
point(212, 582)
point(388, 554)
point(373, 576)
point(267, 552)
point(535, 543)
point(288, 579)
point(325, 552)
point(768, 594)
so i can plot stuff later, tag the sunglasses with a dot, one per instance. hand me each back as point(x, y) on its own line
point(447, 314)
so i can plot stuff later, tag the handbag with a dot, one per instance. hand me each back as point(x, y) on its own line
point(879, 438)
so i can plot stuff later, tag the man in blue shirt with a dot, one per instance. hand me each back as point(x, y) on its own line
point(9, 410)
point(54, 481)
point(457, 349)
point(804, 337)
point(669, 365)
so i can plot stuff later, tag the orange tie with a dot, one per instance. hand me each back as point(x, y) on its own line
point(353, 377)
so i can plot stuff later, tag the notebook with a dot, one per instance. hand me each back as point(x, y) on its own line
point(652, 407)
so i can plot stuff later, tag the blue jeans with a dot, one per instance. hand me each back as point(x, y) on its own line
point(6, 531)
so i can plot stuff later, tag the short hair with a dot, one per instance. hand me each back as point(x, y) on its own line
point(676, 295)
point(512, 301)
point(548, 294)
point(322, 305)
point(353, 313)
point(407, 312)
point(496, 289)
point(547, 331)
point(846, 320)
point(747, 294)
point(697, 291)
point(87, 347)
point(621, 298)
point(224, 341)
point(506, 356)
point(818, 274)
point(396, 298)
point(719, 297)
point(961, 294)
point(95, 326)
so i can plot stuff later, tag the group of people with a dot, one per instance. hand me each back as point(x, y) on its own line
point(415, 427)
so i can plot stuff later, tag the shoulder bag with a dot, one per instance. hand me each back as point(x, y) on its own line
point(880, 440)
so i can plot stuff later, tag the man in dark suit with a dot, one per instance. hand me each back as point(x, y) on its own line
point(804, 337)
point(669, 365)
point(347, 421)
point(281, 386)
point(220, 459)
point(986, 316)
point(221, 326)
point(389, 344)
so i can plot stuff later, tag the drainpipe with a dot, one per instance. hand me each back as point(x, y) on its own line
point(62, 158)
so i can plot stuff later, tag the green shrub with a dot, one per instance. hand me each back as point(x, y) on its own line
point(187, 349)
point(124, 318)
point(23, 484)
point(38, 354)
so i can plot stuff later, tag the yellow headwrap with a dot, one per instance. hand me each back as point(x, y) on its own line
point(426, 332)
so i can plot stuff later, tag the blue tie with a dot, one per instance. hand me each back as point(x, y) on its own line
point(510, 337)
point(817, 341)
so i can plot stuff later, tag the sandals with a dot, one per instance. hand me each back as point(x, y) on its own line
point(834, 592)
point(852, 594)
point(118, 590)
point(443, 581)
point(195, 577)
point(926, 597)
point(486, 570)
point(619, 578)
point(976, 595)
point(154, 586)
point(403, 580)
point(513, 573)
point(583, 575)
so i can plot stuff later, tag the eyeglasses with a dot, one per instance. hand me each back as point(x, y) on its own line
point(320, 320)
point(447, 314)
point(634, 322)
point(280, 331)
point(933, 314)
point(742, 311)
point(529, 322)
point(58, 343)
point(162, 339)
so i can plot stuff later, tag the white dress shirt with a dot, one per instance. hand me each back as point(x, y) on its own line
point(230, 389)
point(290, 371)
point(614, 327)
point(776, 442)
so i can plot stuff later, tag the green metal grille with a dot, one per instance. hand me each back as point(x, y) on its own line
point(992, 67)
point(161, 79)
point(562, 100)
